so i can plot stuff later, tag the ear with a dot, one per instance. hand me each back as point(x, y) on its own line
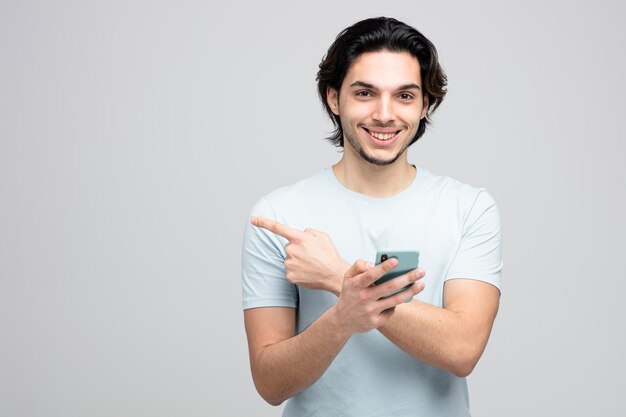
point(425, 108)
point(332, 98)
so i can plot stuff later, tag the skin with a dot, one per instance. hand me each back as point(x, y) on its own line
point(284, 363)
point(387, 106)
point(373, 98)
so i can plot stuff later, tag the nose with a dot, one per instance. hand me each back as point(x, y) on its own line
point(384, 111)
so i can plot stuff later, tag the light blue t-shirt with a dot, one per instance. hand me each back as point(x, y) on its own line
point(456, 229)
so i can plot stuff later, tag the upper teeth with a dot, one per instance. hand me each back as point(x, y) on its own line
point(382, 136)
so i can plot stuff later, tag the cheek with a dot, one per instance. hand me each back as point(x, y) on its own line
point(355, 111)
point(412, 115)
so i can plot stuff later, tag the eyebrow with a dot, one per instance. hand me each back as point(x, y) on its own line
point(368, 85)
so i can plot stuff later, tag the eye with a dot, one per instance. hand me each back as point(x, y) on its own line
point(363, 93)
point(406, 96)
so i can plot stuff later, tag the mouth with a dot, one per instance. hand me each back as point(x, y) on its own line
point(382, 136)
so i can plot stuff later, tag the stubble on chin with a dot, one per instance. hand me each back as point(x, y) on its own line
point(349, 136)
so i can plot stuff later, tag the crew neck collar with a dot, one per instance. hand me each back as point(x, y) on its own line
point(419, 174)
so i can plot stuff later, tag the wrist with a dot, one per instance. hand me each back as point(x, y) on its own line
point(338, 326)
point(339, 272)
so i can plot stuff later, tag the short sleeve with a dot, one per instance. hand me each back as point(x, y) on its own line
point(479, 255)
point(262, 265)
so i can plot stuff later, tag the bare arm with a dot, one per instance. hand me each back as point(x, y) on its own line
point(283, 364)
point(451, 338)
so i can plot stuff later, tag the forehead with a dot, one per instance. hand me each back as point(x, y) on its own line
point(384, 69)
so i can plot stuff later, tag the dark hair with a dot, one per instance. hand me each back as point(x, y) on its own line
point(373, 35)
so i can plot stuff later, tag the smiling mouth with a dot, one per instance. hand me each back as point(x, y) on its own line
point(383, 136)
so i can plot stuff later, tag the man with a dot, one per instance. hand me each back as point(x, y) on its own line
point(319, 332)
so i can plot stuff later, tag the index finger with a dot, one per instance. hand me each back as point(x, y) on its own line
point(276, 228)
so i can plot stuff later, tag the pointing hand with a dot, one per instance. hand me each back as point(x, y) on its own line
point(312, 259)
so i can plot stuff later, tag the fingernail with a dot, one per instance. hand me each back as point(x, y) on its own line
point(253, 221)
point(393, 261)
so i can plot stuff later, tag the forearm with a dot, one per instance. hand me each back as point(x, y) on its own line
point(431, 334)
point(283, 369)
point(436, 336)
point(442, 337)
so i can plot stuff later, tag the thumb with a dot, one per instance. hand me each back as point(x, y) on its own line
point(358, 268)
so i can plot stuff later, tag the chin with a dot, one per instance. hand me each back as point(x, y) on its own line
point(379, 161)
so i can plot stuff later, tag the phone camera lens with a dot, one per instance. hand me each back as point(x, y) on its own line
point(383, 257)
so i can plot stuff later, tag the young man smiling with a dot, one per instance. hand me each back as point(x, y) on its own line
point(319, 333)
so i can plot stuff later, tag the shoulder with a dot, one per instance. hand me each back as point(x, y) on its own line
point(297, 194)
point(453, 193)
point(294, 197)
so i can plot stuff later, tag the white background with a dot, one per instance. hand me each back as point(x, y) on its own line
point(135, 136)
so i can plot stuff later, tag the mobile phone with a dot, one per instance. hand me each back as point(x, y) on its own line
point(408, 260)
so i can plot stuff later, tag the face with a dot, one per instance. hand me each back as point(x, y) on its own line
point(380, 104)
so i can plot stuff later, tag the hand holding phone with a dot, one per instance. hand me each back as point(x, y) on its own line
point(408, 260)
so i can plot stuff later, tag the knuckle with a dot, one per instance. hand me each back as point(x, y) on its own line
point(370, 310)
point(362, 296)
point(291, 277)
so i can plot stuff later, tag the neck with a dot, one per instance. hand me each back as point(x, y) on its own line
point(377, 181)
